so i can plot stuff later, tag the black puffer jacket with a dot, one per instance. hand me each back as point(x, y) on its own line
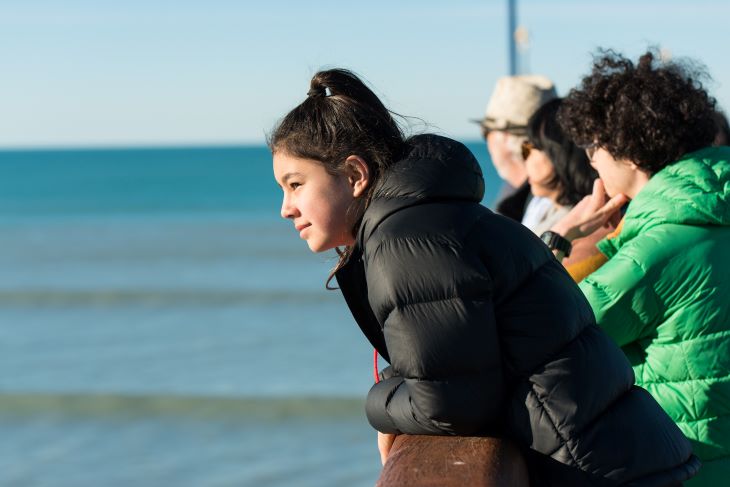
point(487, 334)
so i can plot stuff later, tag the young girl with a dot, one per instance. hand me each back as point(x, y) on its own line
point(485, 332)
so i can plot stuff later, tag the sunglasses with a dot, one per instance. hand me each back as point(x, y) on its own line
point(526, 148)
point(517, 130)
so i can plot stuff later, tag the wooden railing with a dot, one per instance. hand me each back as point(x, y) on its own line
point(452, 461)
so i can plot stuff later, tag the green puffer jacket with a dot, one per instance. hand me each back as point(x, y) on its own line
point(664, 296)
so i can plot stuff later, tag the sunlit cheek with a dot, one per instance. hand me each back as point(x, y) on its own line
point(539, 173)
point(338, 225)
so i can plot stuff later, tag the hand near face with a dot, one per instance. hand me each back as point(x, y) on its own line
point(591, 213)
point(385, 443)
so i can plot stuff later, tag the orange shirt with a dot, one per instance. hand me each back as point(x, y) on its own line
point(588, 258)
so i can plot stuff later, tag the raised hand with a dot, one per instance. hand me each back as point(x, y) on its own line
point(591, 213)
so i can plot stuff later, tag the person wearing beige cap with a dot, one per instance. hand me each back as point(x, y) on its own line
point(504, 126)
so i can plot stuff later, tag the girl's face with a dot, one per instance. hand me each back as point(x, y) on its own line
point(316, 201)
point(618, 175)
point(540, 171)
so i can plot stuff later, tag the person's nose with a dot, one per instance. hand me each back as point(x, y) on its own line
point(288, 210)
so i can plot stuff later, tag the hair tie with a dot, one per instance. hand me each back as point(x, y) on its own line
point(319, 92)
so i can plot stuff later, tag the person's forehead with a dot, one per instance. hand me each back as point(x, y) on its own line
point(291, 163)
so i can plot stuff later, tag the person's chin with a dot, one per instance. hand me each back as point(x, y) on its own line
point(609, 192)
point(317, 247)
point(538, 192)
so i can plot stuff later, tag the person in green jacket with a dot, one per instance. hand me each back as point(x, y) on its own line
point(664, 293)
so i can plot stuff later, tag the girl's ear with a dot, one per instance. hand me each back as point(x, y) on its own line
point(358, 175)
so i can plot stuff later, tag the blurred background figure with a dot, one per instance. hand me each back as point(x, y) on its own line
point(504, 127)
point(556, 168)
point(560, 172)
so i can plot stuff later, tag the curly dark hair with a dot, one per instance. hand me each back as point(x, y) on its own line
point(573, 175)
point(651, 113)
point(722, 137)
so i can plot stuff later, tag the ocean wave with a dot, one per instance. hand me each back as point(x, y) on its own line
point(112, 405)
point(203, 297)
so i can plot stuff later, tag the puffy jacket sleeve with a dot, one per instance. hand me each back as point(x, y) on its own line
point(434, 301)
point(622, 295)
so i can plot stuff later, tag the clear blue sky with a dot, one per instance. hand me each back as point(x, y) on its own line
point(82, 72)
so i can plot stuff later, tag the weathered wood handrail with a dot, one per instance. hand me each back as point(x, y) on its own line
point(453, 461)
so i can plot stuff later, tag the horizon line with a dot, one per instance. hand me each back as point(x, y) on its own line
point(162, 145)
point(129, 146)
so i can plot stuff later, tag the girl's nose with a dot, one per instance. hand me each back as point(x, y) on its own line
point(287, 209)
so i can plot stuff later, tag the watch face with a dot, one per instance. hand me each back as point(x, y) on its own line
point(545, 237)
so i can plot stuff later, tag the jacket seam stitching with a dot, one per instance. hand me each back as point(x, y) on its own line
point(707, 418)
point(698, 379)
point(433, 238)
point(704, 337)
point(456, 297)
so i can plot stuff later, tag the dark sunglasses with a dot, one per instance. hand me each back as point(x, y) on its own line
point(517, 130)
point(526, 147)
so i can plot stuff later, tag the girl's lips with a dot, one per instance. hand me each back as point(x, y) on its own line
point(299, 228)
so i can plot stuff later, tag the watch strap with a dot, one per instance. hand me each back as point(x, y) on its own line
point(555, 241)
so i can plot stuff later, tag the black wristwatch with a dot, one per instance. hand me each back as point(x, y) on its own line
point(555, 241)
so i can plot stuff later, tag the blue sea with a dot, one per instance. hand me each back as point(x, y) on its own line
point(161, 325)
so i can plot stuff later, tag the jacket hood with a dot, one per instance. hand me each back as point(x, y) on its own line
point(695, 190)
point(435, 168)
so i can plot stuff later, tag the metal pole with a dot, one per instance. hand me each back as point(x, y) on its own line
point(511, 28)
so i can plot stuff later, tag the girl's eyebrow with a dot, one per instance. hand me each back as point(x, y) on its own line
point(289, 175)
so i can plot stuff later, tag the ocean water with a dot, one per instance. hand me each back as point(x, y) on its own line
point(160, 324)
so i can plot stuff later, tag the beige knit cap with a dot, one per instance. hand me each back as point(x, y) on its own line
point(514, 100)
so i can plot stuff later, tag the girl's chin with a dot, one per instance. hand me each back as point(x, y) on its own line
point(318, 247)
